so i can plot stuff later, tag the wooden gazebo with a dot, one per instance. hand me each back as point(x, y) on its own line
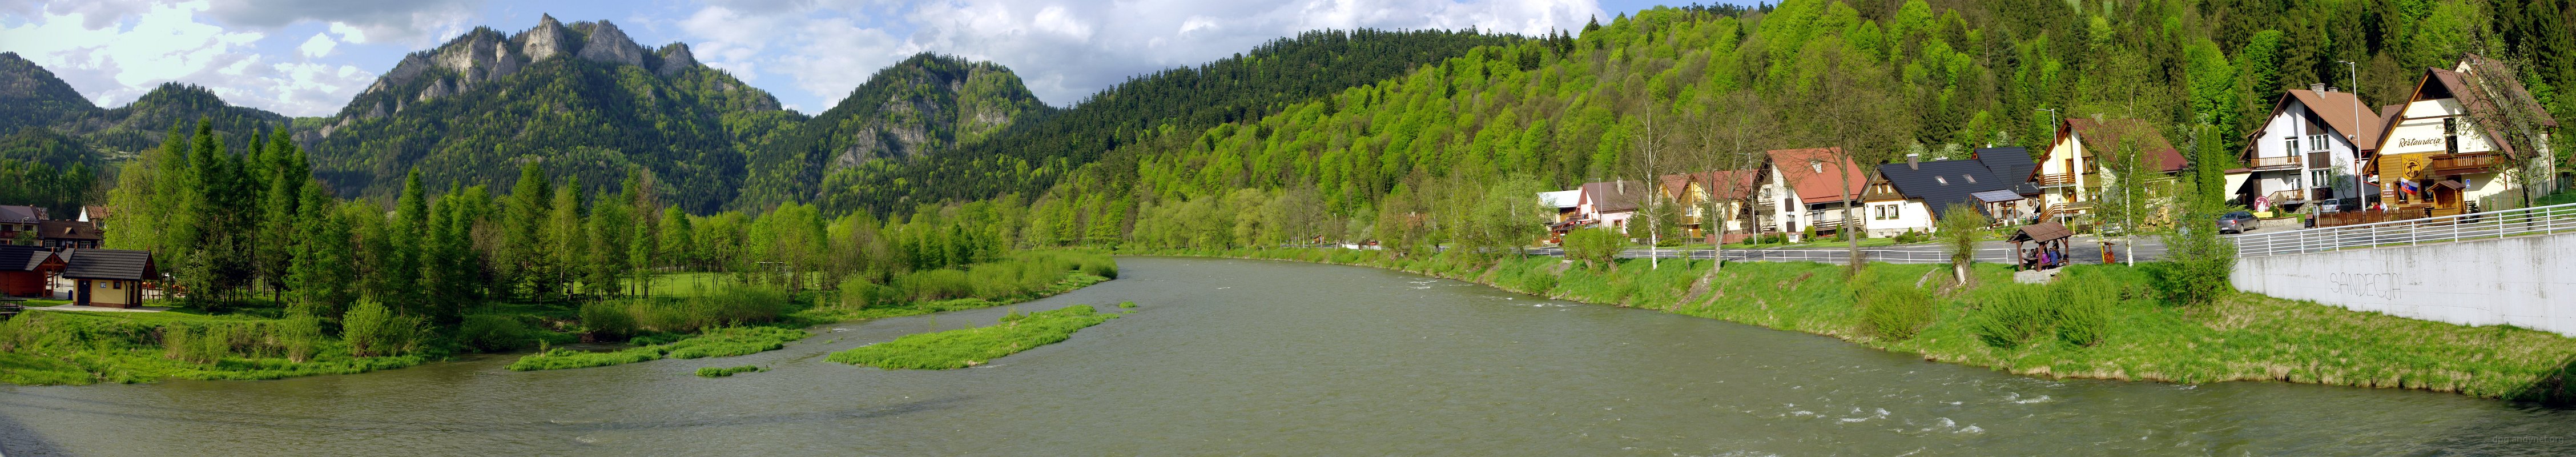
point(2047, 246)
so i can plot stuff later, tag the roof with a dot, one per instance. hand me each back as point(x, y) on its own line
point(1608, 197)
point(1996, 196)
point(95, 211)
point(21, 213)
point(2459, 87)
point(2012, 163)
point(1561, 199)
point(119, 264)
point(2106, 133)
point(2042, 232)
point(2342, 111)
point(66, 230)
point(1716, 183)
point(23, 258)
point(1814, 183)
point(1942, 183)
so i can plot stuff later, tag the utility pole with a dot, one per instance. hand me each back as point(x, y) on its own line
point(2354, 138)
point(2052, 142)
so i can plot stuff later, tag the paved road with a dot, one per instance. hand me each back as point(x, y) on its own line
point(2086, 250)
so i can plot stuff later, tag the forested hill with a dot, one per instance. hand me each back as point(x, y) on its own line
point(924, 106)
point(1031, 156)
point(32, 96)
point(583, 99)
point(1417, 158)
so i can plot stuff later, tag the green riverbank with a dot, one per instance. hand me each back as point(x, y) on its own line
point(968, 347)
point(2098, 322)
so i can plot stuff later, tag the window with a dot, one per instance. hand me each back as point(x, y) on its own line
point(1972, 179)
point(2316, 142)
point(2290, 145)
point(1817, 165)
point(2317, 178)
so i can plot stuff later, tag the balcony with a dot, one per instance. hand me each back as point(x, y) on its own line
point(2471, 162)
point(2056, 179)
point(2269, 163)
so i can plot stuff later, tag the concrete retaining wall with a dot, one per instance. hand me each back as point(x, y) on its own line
point(2529, 282)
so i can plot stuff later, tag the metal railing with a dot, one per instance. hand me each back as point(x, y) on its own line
point(2540, 220)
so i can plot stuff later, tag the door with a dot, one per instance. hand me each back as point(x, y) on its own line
point(80, 292)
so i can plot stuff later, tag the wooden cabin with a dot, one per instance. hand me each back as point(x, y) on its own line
point(28, 271)
point(111, 278)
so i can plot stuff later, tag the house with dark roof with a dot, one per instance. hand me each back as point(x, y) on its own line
point(2311, 149)
point(17, 219)
point(2433, 162)
point(2077, 165)
point(27, 271)
point(67, 235)
point(1994, 181)
point(111, 278)
point(1610, 204)
point(1808, 188)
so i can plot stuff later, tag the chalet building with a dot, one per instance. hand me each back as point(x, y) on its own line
point(16, 219)
point(1994, 181)
point(2312, 150)
point(60, 235)
point(2072, 174)
point(1695, 192)
point(111, 278)
point(1887, 213)
point(1566, 202)
point(1610, 204)
point(94, 214)
point(27, 271)
point(1806, 188)
point(2433, 161)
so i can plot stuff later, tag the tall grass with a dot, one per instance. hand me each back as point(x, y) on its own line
point(969, 347)
point(54, 347)
point(723, 342)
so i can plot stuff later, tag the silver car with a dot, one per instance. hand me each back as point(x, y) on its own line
point(2236, 222)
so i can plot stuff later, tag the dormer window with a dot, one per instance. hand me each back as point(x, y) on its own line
point(1817, 165)
point(1943, 180)
point(1972, 179)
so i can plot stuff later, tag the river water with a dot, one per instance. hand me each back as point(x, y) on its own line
point(1254, 357)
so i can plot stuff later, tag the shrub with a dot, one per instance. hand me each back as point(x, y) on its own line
point(2196, 267)
point(860, 293)
point(301, 337)
point(933, 285)
point(1896, 312)
point(607, 320)
point(2009, 315)
point(2084, 314)
point(1594, 246)
point(492, 333)
point(367, 327)
point(969, 347)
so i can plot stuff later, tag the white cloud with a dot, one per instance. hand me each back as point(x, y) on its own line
point(349, 33)
point(124, 58)
point(320, 45)
point(419, 22)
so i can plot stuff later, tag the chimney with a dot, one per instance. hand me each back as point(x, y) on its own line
point(2333, 89)
point(2318, 87)
point(1913, 161)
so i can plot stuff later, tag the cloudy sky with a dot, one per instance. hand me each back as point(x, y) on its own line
point(308, 57)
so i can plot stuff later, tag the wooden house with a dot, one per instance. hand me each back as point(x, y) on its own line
point(67, 235)
point(111, 278)
point(1995, 181)
point(2072, 174)
point(28, 271)
point(2311, 150)
point(1808, 189)
point(2433, 161)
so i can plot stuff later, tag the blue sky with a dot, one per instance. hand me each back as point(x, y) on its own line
point(308, 57)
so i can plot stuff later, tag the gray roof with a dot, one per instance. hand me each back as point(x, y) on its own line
point(1942, 183)
point(23, 258)
point(21, 213)
point(124, 264)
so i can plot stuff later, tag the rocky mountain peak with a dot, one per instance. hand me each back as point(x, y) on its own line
point(675, 58)
point(608, 44)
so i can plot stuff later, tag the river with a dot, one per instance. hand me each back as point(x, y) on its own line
point(1258, 357)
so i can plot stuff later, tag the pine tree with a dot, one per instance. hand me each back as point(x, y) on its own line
point(567, 242)
point(319, 273)
point(524, 240)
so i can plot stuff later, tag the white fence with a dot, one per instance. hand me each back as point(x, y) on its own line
point(2540, 220)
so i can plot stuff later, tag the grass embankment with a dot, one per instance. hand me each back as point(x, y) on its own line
point(69, 347)
point(693, 323)
point(963, 348)
point(2102, 322)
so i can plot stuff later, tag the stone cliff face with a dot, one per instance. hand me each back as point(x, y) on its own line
point(483, 55)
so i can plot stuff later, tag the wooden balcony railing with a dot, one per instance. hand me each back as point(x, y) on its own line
point(2265, 163)
point(2056, 179)
point(2464, 162)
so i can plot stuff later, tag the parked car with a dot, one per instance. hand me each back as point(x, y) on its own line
point(2236, 222)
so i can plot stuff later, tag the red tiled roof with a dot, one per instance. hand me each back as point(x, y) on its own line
point(2100, 136)
point(1807, 171)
